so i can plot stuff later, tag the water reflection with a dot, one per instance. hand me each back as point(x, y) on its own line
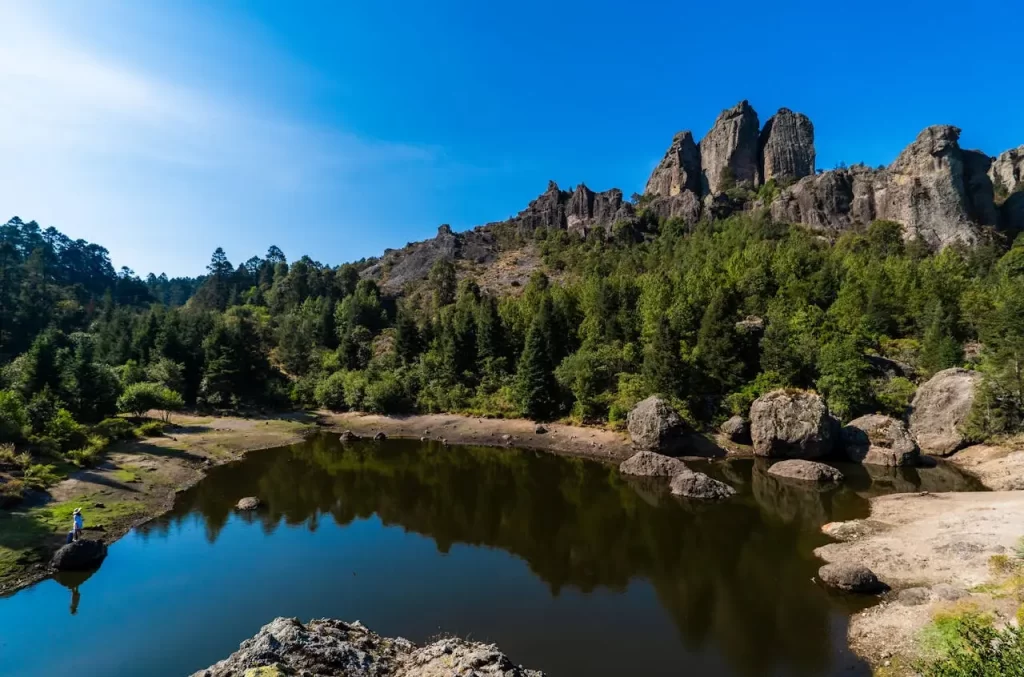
point(735, 576)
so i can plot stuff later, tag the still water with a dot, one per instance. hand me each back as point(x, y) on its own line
point(568, 566)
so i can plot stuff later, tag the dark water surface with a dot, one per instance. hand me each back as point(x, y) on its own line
point(565, 564)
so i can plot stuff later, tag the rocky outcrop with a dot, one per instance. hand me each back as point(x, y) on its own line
point(286, 646)
point(1007, 169)
point(940, 407)
point(690, 484)
point(400, 267)
point(685, 206)
point(736, 429)
point(679, 170)
point(806, 471)
point(577, 210)
point(791, 424)
point(729, 151)
point(79, 555)
point(650, 464)
point(654, 425)
point(851, 578)
point(787, 147)
point(876, 439)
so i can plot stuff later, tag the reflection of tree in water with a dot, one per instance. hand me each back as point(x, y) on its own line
point(736, 573)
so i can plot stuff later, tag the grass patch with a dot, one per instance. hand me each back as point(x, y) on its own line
point(126, 475)
point(968, 644)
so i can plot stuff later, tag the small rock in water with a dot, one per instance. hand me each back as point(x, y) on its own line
point(248, 503)
point(808, 471)
point(348, 435)
point(380, 436)
point(851, 578)
point(698, 485)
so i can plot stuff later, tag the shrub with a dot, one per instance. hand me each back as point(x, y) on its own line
point(65, 430)
point(114, 429)
point(303, 391)
point(386, 395)
point(139, 398)
point(14, 421)
point(88, 455)
point(11, 491)
point(151, 429)
point(330, 393)
point(355, 388)
point(40, 476)
point(894, 396)
point(973, 647)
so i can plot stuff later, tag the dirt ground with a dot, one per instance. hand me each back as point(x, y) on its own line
point(935, 552)
point(999, 467)
point(136, 482)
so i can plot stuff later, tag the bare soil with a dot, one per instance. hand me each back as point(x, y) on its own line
point(935, 551)
point(136, 482)
point(1000, 467)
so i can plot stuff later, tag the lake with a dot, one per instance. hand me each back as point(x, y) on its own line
point(569, 567)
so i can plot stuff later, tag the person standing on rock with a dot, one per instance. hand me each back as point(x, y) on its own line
point(77, 524)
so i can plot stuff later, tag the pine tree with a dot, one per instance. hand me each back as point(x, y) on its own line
point(536, 387)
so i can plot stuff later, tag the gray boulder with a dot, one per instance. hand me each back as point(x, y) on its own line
point(851, 578)
point(330, 647)
point(791, 424)
point(736, 429)
point(690, 484)
point(876, 439)
point(787, 147)
point(654, 425)
point(248, 503)
point(650, 464)
point(729, 151)
point(79, 555)
point(685, 206)
point(806, 471)
point(939, 409)
point(1007, 169)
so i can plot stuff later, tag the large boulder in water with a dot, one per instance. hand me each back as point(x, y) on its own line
point(876, 439)
point(654, 425)
point(940, 407)
point(851, 578)
point(650, 464)
point(79, 555)
point(807, 471)
point(330, 647)
point(692, 484)
point(791, 424)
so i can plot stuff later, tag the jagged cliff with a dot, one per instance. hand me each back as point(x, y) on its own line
point(941, 193)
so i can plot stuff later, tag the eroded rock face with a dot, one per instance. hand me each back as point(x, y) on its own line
point(79, 555)
point(806, 471)
point(787, 147)
point(650, 464)
point(679, 170)
point(791, 424)
point(577, 210)
point(940, 407)
point(1007, 170)
point(330, 647)
point(877, 439)
point(729, 151)
point(654, 425)
point(851, 578)
point(685, 206)
point(690, 484)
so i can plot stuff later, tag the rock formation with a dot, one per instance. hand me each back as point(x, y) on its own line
point(577, 210)
point(248, 503)
point(729, 151)
point(851, 578)
point(791, 424)
point(79, 555)
point(400, 267)
point(286, 646)
point(807, 471)
point(736, 429)
point(679, 170)
point(690, 484)
point(1007, 169)
point(876, 439)
point(654, 425)
point(940, 407)
point(650, 464)
point(787, 147)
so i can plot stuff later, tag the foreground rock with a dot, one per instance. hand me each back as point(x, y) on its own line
point(323, 648)
point(806, 471)
point(940, 408)
point(654, 425)
point(690, 484)
point(850, 578)
point(879, 440)
point(79, 555)
point(248, 503)
point(791, 424)
point(650, 464)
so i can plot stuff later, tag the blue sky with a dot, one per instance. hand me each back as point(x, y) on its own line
point(163, 129)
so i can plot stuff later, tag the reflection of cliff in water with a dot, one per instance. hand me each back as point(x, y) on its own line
point(737, 572)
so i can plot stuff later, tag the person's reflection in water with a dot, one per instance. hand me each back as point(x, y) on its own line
point(72, 580)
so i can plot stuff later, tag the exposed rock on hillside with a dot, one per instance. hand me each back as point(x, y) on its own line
point(679, 170)
point(1007, 170)
point(787, 146)
point(323, 648)
point(940, 407)
point(576, 211)
point(876, 439)
point(399, 267)
point(791, 424)
point(729, 152)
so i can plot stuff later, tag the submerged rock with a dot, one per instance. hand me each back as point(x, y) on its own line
point(791, 424)
point(851, 578)
point(329, 647)
point(79, 555)
point(650, 464)
point(876, 439)
point(698, 485)
point(348, 436)
point(807, 471)
point(248, 503)
point(940, 407)
point(654, 425)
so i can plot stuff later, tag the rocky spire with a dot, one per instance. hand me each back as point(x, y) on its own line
point(679, 170)
point(729, 152)
point(787, 147)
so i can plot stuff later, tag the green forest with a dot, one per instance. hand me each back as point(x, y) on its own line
point(710, 316)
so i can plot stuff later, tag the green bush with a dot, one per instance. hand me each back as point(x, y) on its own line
point(355, 389)
point(63, 429)
point(303, 391)
point(151, 429)
point(330, 392)
point(114, 429)
point(139, 398)
point(894, 396)
point(40, 476)
point(14, 421)
point(88, 455)
point(973, 647)
point(386, 395)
